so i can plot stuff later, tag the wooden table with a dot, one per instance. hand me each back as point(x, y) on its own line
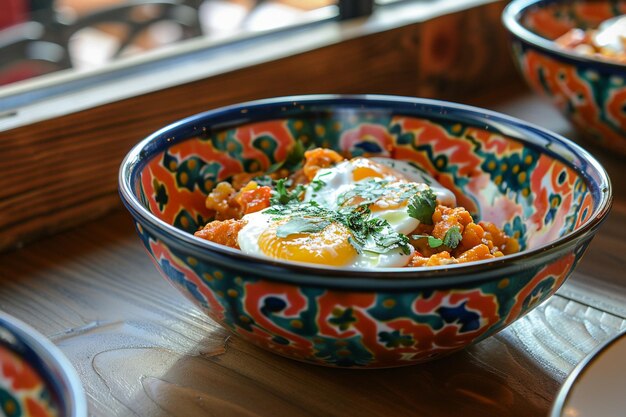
point(141, 349)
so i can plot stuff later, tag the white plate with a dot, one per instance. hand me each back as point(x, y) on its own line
point(597, 386)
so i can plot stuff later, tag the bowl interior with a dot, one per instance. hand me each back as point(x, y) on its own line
point(551, 19)
point(522, 185)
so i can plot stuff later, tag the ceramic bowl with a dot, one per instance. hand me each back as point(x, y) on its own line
point(35, 377)
point(543, 189)
point(590, 92)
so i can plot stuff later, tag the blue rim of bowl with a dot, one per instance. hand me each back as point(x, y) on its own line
point(511, 16)
point(47, 360)
point(390, 278)
point(571, 380)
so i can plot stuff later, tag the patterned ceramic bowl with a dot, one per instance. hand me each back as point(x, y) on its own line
point(590, 92)
point(35, 377)
point(541, 188)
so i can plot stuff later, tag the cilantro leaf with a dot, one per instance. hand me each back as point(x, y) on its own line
point(422, 206)
point(433, 242)
point(367, 234)
point(367, 191)
point(283, 196)
point(317, 184)
point(297, 225)
point(453, 237)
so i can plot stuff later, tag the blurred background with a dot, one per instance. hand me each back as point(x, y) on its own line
point(42, 36)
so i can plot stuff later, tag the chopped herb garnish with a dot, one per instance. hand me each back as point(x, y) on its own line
point(433, 242)
point(453, 237)
point(369, 191)
point(297, 225)
point(367, 234)
point(317, 184)
point(422, 206)
point(283, 196)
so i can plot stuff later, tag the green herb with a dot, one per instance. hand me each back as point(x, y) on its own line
point(433, 242)
point(297, 225)
point(283, 196)
point(317, 184)
point(368, 191)
point(453, 237)
point(422, 206)
point(367, 234)
point(371, 190)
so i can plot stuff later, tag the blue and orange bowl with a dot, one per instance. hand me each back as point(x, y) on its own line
point(539, 187)
point(36, 379)
point(590, 92)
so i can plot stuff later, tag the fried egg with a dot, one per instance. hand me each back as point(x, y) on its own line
point(390, 176)
point(330, 246)
point(383, 184)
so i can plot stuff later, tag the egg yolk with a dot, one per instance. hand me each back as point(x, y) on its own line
point(328, 247)
point(364, 168)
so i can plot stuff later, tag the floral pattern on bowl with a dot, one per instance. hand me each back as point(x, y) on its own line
point(542, 189)
point(35, 378)
point(591, 93)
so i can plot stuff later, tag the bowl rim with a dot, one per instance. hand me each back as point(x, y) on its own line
point(56, 365)
point(566, 390)
point(511, 16)
point(309, 274)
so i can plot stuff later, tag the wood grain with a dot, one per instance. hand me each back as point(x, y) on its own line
point(141, 349)
point(61, 172)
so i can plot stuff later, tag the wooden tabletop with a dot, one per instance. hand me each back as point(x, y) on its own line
point(141, 349)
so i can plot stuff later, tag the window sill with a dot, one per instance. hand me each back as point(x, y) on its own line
point(65, 150)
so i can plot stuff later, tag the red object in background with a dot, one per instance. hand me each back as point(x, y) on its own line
point(13, 11)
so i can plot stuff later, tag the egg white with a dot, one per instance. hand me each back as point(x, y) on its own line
point(257, 223)
point(330, 184)
point(338, 180)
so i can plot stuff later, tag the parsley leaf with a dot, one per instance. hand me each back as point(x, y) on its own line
point(453, 237)
point(422, 206)
point(297, 225)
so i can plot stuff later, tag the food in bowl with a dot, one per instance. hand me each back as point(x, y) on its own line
point(359, 212)
point(542, 190)
point(589, 90)
point(607, 41)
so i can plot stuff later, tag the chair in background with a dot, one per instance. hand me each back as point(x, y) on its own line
point(30, 49)
point(50, 43)
point(133, 26)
